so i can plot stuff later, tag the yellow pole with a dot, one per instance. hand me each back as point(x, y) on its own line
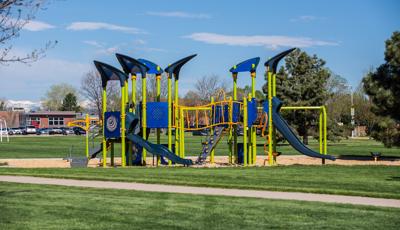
point(244, 131)
point(274, 128)
point(144, 115)
point(325, 131)
point(158, 82)
point(212, 131)
point(320, 131)
point(169, 116)
point(182, 134)
point(270, 124)
point(176, 104)
point(250, 135)
point(230, 130)
point(235, 128)
point(87, 134)
point(123, 140)
point(133, 92)
point(104, 103)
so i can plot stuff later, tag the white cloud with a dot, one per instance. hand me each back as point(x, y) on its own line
point(20, 81)
point(103, 26)
point(37, 26)
point(305, 18)
point(108, 50)
point(270, 42)
point(139, 42)
point(151, 49)
point(93, 43)
point(179, 14)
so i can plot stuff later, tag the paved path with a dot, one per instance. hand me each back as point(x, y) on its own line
point(357, 200)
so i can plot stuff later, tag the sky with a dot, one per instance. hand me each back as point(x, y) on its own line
point(348, 35)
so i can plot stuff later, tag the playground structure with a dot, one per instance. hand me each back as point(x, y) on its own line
point(132, 124)
point(3, 130)
point(86, 124)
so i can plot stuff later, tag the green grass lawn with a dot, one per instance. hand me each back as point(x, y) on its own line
point(60, 146)
point(25, 206)
point(373, 181)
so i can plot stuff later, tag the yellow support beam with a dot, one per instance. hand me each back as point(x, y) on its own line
point(144, 116)
point(123, 140)
point(169, 86)
point(104, 105)
point(212, 133)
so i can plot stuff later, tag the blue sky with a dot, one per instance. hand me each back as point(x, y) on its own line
point(349, 35)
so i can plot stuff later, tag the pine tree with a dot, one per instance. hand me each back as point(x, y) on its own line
point(70, 103)
point(302, 82)
point(383, 87)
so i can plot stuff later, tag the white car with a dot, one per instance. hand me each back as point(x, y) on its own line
point(3, 131)
point(29, 129)
point(14, 131)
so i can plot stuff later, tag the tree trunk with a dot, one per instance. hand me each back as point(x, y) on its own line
point(305, 136)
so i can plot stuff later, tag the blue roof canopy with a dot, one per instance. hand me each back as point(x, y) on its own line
point(175, 68)
point(153, 68)
point(131, 65)
point(110, 73)
point(249, 65)
point(272, 63)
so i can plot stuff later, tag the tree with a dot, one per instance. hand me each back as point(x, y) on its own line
point(207, 86)
point(70, 103)
point(244, 92)
point(14, 15)
point(55, 95)
point(302, 82)
point(152, 87)
point(383, 88)
point(3, 104)
point(338, 107)
point(362, 107)
point(92, 90)
point(191, 99)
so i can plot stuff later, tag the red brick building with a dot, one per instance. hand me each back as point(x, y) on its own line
point(50, 119)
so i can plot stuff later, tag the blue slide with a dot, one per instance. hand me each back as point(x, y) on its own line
point(159, 150)
point(289, 135)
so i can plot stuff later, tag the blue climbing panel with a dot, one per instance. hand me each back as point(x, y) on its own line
point(157, 114)
point(112, 125)
point(236, 112)
point(251, 112)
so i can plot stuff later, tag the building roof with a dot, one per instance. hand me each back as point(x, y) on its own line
point(52, 113)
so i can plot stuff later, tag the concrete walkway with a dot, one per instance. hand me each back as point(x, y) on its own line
point(356, 200)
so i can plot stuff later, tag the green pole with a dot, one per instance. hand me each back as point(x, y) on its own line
point(144, 115)
point(235, 128)
point(244, 131)
point(158, 82)
point(270, 124)
point(123, 140)
point(104, 104)
point(176, 104)
point(169, 116)
point(212, 133)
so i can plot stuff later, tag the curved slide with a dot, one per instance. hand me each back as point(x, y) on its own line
point(289, 135)
point(159, 150)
